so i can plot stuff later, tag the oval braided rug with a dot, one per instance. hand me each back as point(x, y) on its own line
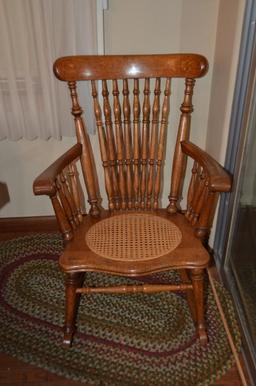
point(121, 340)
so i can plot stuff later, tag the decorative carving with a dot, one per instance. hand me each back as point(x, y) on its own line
point(87, 159)
point(128, 143)
point(132, 146)
point(103, 147)
point(179, 159)
point(136, 140)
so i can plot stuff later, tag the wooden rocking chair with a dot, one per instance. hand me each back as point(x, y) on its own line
point(134, 236)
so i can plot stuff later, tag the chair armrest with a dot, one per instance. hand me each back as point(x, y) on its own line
point(45, 182)
point(219, 179)
point(60, 182)
point(208, 179)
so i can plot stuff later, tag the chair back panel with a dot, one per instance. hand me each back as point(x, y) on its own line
point(131, 98)
point(93, 67)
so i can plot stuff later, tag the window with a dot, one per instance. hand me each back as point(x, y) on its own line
point(33, 33)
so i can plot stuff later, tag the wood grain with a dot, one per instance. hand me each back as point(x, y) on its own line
point(93, 67)
point(132, 132)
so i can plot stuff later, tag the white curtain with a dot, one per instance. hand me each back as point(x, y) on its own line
point(33, 33)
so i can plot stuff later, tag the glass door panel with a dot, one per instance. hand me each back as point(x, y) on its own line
point(240, 263)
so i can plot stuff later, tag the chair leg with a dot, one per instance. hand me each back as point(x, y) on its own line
point(72, 282)
point(189, 294)
point(197, 277)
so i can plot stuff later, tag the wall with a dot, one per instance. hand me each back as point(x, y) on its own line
point(161, 27)
point(167, 26)
point(21, 162)
point(228, 36)
point(144, 26)
point(130, 26)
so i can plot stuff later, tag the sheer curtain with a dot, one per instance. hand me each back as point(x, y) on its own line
point(33, 33)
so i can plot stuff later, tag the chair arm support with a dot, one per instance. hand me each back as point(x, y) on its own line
point(60, 182)
point(208, 179)
point(45, 182)
point(219, 179)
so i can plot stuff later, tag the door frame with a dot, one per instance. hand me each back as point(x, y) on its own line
point(243, 103)
point(236, 130)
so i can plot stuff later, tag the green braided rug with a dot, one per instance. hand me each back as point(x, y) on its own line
point(121, 340)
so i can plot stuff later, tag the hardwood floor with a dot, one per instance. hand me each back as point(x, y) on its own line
point(14, 372)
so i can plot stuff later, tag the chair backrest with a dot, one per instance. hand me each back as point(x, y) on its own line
point(132, 124)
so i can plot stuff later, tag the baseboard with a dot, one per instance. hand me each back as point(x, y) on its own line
point(28, 224)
